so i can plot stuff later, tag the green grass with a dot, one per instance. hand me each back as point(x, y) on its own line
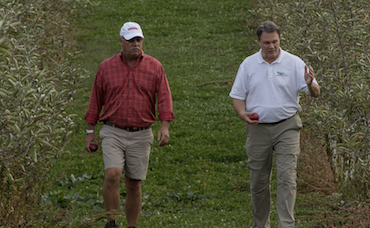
point(200, 179)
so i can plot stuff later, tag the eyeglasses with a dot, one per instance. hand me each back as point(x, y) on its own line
point(137, 39)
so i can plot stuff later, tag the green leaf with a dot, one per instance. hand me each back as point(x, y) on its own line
point(10, 177)
point(16, 128)
point(44, 142)
point(34, 154)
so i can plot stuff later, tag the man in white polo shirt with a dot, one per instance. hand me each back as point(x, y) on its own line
point(268, 83)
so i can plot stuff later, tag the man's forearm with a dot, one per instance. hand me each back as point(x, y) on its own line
point(314, 90)
point(165, 124)
point(239, 106)
point(90, 126)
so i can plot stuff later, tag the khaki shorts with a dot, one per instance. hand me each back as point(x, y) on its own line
point(127, 150)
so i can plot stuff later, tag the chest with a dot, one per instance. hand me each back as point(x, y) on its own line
point(270, 75)
point(119, 78)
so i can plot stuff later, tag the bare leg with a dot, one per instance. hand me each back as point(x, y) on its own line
point(111, 189)
point(133, 201)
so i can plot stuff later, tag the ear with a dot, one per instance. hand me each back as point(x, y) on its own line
point(259, 43)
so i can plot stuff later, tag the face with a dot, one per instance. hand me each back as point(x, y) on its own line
point(270, 44)
point(132, 48)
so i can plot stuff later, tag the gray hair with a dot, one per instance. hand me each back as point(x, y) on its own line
point(268, 27)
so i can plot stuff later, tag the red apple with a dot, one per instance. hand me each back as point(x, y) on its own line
point(254, 116)
point(94, 146)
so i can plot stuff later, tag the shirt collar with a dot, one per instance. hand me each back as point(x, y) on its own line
point(138, 59)
point(278, 60)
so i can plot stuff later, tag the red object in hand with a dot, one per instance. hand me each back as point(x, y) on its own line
point(94, 146)
point(254, 116)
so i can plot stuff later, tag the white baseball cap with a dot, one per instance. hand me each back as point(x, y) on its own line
point(130, 30)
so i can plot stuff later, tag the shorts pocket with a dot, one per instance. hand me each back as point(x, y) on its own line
point(151, 139)
point(298, 121)
point(102, 133)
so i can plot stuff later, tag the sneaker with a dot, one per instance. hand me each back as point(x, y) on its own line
point(111, 224)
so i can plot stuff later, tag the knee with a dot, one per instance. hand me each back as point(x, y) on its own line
point(113, 175)
point(132, 185)
point(259, 187)
point(287, 177)
point(259, 180)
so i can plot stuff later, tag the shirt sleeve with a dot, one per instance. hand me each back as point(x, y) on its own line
point(165, 105)
point(96, 98)
point(239, 89)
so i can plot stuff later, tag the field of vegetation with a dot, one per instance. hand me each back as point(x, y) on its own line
point(200, 179)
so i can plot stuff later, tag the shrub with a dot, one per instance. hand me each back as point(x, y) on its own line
point(37, 82)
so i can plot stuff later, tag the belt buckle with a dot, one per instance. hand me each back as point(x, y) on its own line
point(134, 129)
point(131, 129)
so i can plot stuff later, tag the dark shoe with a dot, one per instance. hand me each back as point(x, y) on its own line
point(111, 224)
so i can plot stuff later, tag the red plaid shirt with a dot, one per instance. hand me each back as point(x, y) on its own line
point(128, 94)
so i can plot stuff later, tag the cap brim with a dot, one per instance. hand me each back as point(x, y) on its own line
point(132, 35)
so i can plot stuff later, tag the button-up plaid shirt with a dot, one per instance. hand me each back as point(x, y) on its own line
point(128, 94)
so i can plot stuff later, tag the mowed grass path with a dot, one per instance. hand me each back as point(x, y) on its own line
point(201, 178)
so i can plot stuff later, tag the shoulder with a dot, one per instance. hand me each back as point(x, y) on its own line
point(251, 60)
point(151, 60)
point(291, 58)
point(293, 63)
point(111, 61)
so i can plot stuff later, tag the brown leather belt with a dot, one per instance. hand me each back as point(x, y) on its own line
point(130, 129)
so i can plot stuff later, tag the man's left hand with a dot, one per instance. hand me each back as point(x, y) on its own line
point(313, 88)
point(163, 135)
point(310, 75)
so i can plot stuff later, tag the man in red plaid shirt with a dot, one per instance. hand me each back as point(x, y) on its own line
point(127, 85)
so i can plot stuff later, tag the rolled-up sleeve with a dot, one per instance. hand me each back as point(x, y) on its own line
point(164, 103)
point(96, 99)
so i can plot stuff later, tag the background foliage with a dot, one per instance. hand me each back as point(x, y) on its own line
point(37, 83)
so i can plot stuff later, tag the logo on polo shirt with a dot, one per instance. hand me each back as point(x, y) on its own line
point(281, 73)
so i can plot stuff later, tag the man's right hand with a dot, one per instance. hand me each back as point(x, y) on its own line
point(246, 118)
point(90, 138)
point(239, 106)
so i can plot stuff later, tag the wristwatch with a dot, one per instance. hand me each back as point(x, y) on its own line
point(89, 131)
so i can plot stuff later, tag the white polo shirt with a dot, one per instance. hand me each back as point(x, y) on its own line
point(271, 90)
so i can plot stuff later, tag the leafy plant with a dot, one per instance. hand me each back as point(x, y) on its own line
point(38, 80)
